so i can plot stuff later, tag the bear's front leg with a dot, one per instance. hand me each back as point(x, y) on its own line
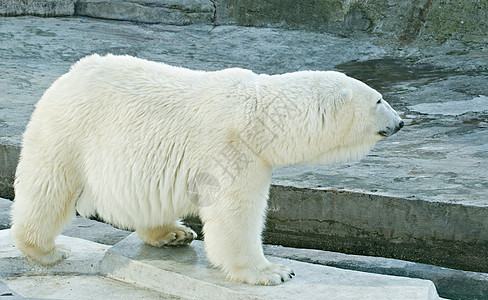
point(232, 234)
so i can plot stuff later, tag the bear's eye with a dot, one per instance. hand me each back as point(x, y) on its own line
point(379, 102)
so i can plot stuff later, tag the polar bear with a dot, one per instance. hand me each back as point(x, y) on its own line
point(142, 144)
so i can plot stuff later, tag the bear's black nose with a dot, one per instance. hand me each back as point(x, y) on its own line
point(401, 124)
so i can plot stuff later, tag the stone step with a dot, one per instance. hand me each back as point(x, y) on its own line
point(186, 272)
point(182, 273)
point(80, 287)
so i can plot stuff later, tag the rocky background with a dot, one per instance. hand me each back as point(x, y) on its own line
point(403, 22)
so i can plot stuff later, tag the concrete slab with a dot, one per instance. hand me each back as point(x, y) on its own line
point(77, 288)
point(77, 277)
point(453, 235)
point(451, 284)
point(184, 271)
point(181, 273)
point(85, 258)
point(94, 231)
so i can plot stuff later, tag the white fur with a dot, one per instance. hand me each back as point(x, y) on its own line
point(143, 144)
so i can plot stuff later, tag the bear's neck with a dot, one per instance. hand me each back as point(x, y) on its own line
point(282, 124)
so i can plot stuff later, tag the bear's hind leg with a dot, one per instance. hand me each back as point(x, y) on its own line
point(44, 204)
point(34, 229)
point(167, 235)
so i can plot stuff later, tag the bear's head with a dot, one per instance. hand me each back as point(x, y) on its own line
point(321, 117)
point(364, 107)
point(354, 117)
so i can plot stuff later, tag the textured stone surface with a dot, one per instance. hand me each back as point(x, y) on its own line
point(85, 258)
point(462, 20)
point(451, 284)
point(77, 288)
point(186, 270)
point(149, 11)
point(403, 22)
point(45, 8)
point(182, 272)
point(94, 231)
point(400, 22)
point(443, 234)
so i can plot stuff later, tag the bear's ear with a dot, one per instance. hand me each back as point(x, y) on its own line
point(344, 96)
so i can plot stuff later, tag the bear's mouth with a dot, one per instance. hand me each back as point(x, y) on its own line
point(388, 131)
point(391, 131)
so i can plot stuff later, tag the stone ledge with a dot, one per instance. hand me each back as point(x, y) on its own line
point(185, 272)
point(452, 284)
point(443, 234)
point(80, 287)
point(85, 258)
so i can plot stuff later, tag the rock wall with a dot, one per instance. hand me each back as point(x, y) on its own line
point(403, 22)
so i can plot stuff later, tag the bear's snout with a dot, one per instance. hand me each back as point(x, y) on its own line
point(400, 125)
point(392, 130)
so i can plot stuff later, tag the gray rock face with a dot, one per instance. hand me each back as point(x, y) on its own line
point(157, 11)
point(402, 22)
point(44, 8)
point(145, 11)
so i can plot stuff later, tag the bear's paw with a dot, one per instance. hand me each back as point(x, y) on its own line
point(59, 253)
point(163, 236)
point(273, 274)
